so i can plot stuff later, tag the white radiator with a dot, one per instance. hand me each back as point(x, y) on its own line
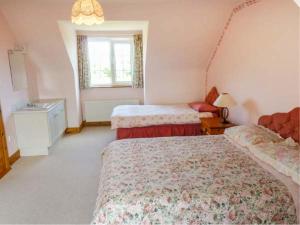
point(100, 110)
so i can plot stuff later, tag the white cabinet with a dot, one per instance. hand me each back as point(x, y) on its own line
point(38, 130)
point(57, 122)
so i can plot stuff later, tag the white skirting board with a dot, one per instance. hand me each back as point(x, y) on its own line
point(101, 110)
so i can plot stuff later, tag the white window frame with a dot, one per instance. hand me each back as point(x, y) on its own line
point(113, 41)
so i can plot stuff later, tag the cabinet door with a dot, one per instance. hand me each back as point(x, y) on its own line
point(53, 127)
point(57, 122)
point(216, 131)
point(61, 121)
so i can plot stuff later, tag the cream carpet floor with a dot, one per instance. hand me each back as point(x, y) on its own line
point(57, 189)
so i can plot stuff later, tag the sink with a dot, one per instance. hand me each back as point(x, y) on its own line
point(38, 106)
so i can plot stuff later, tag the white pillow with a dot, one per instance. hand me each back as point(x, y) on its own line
point(251, 135)
point(269, 131)
point(289, 142)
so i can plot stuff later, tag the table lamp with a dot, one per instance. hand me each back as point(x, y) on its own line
point(225, 101)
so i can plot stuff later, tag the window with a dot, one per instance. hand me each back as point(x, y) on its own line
point(111, 61)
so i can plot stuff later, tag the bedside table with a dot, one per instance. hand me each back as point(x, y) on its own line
point(214, 126)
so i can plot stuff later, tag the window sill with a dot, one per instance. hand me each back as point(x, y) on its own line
point(112, 86)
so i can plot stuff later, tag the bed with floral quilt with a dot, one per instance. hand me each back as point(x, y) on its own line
point(142, 121)
point(188, 180)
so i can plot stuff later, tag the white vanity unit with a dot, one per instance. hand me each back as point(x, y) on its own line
point(39, 126)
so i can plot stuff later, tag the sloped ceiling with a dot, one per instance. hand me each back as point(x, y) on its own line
point(35, 21)
point(192, 28)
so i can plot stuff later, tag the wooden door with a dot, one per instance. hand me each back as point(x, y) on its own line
point(4, 162)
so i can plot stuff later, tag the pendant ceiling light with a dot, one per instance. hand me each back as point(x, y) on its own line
point(88, 12)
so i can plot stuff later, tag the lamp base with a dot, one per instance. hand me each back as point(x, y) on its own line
point(224, 115)
point(225, 122)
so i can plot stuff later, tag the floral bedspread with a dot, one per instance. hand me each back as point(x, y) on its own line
point(128, 116)
point(187, 180)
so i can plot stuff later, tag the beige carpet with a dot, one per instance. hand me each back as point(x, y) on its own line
point(57, 189)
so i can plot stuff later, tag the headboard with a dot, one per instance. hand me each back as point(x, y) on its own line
point(285, 124)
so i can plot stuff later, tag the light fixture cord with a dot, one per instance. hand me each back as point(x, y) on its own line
point(93, 4)
point(80, 5)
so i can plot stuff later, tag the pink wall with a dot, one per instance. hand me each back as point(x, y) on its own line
point(11, 100)
point(35, 23)
point(258, 60)
point(182, 35)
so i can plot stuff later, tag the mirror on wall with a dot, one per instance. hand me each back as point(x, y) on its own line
point(17, 70)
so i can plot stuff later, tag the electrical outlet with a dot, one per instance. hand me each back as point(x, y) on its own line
point(9, 138)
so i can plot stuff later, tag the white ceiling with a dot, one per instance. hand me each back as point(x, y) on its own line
point(137, 1)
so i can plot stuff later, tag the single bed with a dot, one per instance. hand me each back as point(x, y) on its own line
point(195, 180)
point(144, 121)
point(141, 121)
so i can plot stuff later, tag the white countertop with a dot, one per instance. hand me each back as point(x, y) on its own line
point(52, 102)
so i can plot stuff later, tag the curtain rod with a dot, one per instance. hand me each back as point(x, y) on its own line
point(108, 33)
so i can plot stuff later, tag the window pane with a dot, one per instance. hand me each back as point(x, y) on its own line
point(100, 63)
point(123, 62)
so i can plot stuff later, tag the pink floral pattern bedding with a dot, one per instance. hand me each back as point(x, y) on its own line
point(187, 180)
point(129, 116)
point(284, 158)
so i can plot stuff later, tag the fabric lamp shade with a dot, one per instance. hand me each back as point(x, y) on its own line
point(87, 12)
point(225, 101)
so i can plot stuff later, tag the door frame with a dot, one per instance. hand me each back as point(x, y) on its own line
point(5, 153)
